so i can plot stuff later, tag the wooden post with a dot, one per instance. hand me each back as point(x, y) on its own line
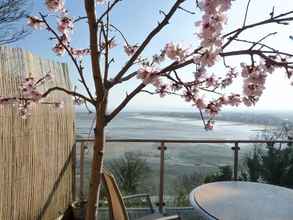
point(162, 149)
point(236, 149)
point(81, 172)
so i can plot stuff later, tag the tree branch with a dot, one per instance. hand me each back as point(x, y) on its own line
point(151, 35)
point(124, 102)
point(277, 19)
point(90, 6)
point(261, 54)
point(69, 92)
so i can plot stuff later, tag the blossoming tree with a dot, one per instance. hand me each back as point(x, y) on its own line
point(159, 74)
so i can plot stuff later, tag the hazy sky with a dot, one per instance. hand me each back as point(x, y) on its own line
point(137, 17)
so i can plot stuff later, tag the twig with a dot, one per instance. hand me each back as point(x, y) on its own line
point(156, 93)
point(79, 19)
point(106, 36)
point(263, 38)
point(120, 32)
point(253, 42)
point(246, 13)
point(186, 10)
point(107, 11)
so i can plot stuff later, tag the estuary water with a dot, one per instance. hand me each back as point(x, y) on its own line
point(154, 125)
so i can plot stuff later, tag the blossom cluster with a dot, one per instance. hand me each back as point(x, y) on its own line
point(254, 81)
point(211, 24)
point(29, 95)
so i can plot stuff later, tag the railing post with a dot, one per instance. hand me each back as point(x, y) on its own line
point(73, 156)
point(162, 149)
point(236, 149)
point(81, 172)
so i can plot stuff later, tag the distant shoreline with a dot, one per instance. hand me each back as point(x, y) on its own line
point(255, 118)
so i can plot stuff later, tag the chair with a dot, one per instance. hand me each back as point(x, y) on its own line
point(116, 201)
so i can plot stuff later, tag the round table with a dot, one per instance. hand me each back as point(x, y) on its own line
point(243, 201)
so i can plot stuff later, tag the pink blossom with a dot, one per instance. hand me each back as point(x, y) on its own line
point(59, 49)
point(209, 125)
point(267, 66)
point(223, 100)
point(158, 58)
point(55, 5)
point(225, 5)
point(245, 70)
point(213, 109)
point(78, 53)
point(229, 78)
point(162, 90)
point(29, 90)
point(111, 44)
point(175, 51)
point(78, 101)
point(49, 76)
point(199, 103)
point(59, 105)
point(130, 50)
point(24, 109)
point(65, 25)
point(149, 75)
point(200, 73)
point(252, 89)
point(248, 102)
point(176, 86)
point(207, 59)
point(234, 99)
point(35, 22)
point(211, 82)
point(188, 96)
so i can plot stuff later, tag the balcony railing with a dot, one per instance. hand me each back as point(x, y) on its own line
point(163, 147)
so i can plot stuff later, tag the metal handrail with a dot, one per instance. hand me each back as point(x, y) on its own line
point(198, 141)
point(163, 148)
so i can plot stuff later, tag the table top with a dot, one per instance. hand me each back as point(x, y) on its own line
point(243, 201)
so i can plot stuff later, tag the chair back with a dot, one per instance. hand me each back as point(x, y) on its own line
point(117, 208)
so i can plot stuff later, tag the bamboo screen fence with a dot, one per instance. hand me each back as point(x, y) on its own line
point(35, 154)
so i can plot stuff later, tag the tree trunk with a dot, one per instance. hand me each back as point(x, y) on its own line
point(97, 164)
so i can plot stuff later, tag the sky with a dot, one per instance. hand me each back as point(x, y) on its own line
point(136, 18)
